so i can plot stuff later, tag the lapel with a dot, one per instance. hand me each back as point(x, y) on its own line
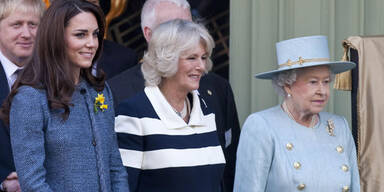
point(139, 86)
point(4, 91)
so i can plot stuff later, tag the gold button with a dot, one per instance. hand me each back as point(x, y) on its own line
point(289, 146)
point(340, 149)
point(296, 165)
point(345, 188)
point(301, 186)
point(209, 92)
point(344, 168)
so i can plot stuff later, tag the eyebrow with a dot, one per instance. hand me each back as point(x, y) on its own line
point(85, 30)
point(314, 77)
point(81, 30)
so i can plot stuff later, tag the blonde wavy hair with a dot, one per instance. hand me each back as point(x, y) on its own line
point(9, 6)
point(170, 40)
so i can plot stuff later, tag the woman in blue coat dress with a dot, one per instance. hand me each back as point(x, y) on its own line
point(61, 117)
point(295, 146)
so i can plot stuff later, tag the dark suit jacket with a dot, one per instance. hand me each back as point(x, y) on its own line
point(6, 158)
point(216, 91)
point(116, 58)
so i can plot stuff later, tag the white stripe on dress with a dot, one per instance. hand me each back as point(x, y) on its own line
point(134, 126)
point(166, 158)
point(131, 158)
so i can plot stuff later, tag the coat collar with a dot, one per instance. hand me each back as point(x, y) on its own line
point(166, 113)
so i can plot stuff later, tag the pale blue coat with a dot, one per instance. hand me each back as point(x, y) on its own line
point(266, 164)
point(79, 154)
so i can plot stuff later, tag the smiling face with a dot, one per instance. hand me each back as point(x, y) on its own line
point(310, 91)
point(191, 67)
point(17, 35)
point(81, 36)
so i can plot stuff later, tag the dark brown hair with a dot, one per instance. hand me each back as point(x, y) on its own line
point(49, 67)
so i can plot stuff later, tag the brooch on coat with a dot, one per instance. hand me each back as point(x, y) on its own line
point(99, 103)
point(331, 127)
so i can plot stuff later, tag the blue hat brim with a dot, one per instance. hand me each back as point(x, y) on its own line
point(336, 67)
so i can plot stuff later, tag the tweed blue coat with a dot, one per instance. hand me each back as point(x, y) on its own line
point(79, 154)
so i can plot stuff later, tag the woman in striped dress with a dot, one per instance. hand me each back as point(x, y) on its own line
point(167, 134)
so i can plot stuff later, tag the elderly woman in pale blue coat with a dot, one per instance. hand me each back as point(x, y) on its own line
point(61, 116)
point(295, 146)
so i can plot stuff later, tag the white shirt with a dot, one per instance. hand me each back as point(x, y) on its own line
point(9, 69)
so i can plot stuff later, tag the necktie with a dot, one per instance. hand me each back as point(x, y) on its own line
point(14, 76)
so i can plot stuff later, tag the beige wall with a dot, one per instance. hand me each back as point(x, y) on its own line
point(256, 25)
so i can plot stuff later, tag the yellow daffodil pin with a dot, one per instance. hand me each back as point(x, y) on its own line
point(99, 103)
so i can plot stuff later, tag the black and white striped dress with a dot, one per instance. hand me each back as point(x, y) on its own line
point(162, 152)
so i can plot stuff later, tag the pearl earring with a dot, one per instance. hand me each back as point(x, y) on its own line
point(289, 95)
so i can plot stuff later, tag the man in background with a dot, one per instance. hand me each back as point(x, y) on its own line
point(215, 90)
point(115, 57)
point(19, 20)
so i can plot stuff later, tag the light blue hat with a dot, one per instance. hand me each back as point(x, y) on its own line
point(304, 52)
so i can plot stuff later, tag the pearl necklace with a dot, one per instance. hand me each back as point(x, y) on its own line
point(313, 120)
point(186, 108)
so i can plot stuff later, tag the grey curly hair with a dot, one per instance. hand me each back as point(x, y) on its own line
point(282, 79)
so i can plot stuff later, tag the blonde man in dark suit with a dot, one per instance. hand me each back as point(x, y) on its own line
point(19, 20)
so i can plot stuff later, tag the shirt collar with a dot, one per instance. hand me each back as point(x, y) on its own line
point(166, 113)
point(9, 67)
